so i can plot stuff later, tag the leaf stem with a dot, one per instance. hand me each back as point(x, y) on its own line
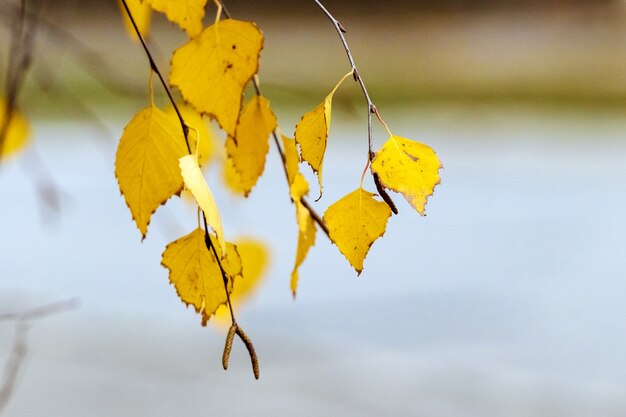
point(211, 247)
point(355, 73)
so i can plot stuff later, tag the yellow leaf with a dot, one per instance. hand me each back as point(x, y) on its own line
point(291, 158)
point(195, 273)
point(16, 133)
point(248, 150)
point(355, 222)
point(306, 240)
point(195, 182)
point(141, 13)
point(187, 14)
point(255, 259)
point(408, 167)
point(312, 133)
point(207, 137)
point(146, 163)
point(212, 69)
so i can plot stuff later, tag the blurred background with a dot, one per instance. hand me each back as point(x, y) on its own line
point(506, 300)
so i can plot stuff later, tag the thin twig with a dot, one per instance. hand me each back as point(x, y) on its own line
point(210, 246)
point(155, 68)
point(371, 108)
point(357, 76)
point(20, 346)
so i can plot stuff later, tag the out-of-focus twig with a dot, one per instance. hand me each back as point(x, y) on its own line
point(19, 350)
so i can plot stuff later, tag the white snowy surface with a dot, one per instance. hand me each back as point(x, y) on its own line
point(506, 300)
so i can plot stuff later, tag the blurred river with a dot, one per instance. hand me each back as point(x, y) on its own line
point(506, 300)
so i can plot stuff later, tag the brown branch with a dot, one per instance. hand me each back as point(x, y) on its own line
point(371, 108)
point(155, 68)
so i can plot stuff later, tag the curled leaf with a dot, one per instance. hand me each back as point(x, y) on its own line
point(306, 239)
point(195, 182)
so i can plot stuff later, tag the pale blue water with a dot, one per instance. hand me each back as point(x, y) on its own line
point(506, 300)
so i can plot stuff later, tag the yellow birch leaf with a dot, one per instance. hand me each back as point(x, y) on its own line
point(16, 133)
point(306, 240)
point(194, 120)
point(142, 13)
point(312, 135)
point(195, 273)
point(248, 150)
point(408, 167)
point(195, 182)
point(187, 14)
point(291, 158)
point(212, 69)
point(146, 163)
point(355, 222)
point(255, 259)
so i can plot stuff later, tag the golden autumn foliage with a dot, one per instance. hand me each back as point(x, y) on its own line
point(312, 133)
point(160, 153)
